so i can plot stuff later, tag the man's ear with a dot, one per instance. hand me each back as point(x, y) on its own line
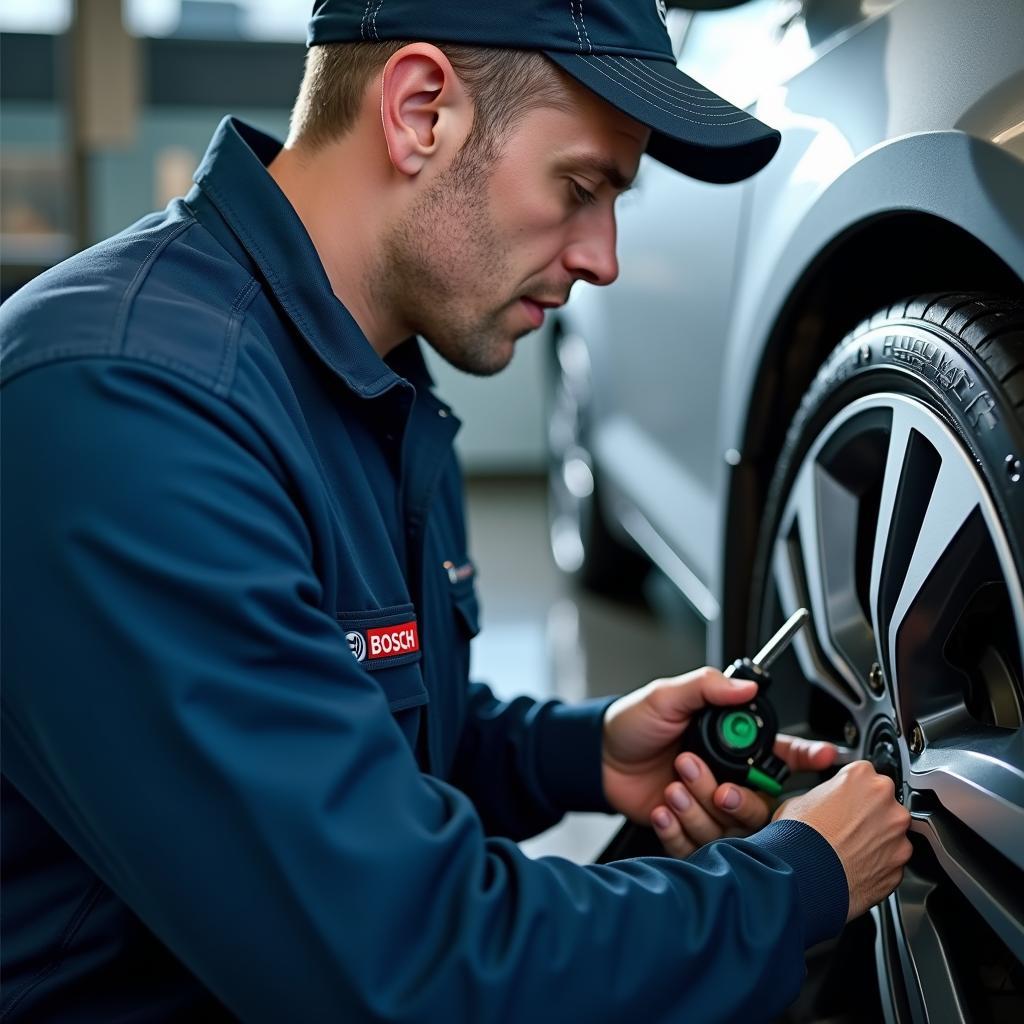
point(424, 109)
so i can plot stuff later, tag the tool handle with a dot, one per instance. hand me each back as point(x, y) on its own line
point(736, 741)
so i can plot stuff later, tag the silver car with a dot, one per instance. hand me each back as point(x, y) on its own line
point(806, 390)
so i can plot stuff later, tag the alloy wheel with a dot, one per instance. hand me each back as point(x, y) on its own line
point(888, 535)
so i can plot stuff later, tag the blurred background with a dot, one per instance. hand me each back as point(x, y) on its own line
point(107, 107)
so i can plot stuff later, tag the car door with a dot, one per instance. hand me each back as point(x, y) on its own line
point(658, 339)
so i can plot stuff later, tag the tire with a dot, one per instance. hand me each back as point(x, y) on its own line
point(896, 516)
point(582, 544)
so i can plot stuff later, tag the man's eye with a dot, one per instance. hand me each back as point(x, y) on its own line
point(581, 194)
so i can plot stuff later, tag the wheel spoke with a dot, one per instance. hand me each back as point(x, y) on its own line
point(793, 579)
point(930, 528)
point(891, 508)
point(953, 501)
point(901, 997)
point(850, 633)
point(927, 954)
point(993, 889)
point(979, 784)
point(824, 535)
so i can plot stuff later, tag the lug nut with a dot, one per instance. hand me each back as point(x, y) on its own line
point(916, 740)
point(1013, 468)
point(876, 683)
point(850, 734)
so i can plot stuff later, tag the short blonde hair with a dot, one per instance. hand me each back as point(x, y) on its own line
point(503, 84)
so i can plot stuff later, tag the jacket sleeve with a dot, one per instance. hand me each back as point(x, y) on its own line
point(181, 710)
point(524, 762)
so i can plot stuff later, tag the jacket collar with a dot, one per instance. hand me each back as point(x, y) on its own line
point(233, 177)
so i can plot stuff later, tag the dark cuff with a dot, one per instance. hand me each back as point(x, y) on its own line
point(823, 890)
point(569, 748)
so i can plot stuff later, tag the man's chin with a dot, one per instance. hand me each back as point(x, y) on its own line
point(479, 359)
point(487, 365)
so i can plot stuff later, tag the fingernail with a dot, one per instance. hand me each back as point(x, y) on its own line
point(661, 818)
point(679, 799)
point(689, 769)
point(731, 800)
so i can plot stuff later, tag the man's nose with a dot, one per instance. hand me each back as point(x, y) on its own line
point(590, 256)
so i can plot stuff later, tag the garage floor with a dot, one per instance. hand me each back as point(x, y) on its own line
point(543, 637)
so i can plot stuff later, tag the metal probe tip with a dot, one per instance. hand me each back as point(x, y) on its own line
point(780, 641)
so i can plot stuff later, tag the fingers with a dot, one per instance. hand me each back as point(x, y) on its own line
point(804, 755)
point(730, 806)
point(747, 808)
point(670, 833)
point(891, 882)
point(697, 810)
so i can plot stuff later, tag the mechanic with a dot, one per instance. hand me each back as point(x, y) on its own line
point(244, 770)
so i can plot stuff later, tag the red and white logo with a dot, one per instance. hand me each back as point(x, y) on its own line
point(392, 641)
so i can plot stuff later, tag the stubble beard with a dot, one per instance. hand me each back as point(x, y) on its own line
point(443, 266)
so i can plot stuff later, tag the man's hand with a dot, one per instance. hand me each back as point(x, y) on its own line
point(697, 809)
point(858, 814)
point(647, 779)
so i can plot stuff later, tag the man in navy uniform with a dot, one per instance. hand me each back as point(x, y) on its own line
point(244, 770)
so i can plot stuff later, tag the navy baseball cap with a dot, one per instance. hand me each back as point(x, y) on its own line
point(619, 49)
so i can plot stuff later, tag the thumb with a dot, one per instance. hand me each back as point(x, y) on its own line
point(689, 693)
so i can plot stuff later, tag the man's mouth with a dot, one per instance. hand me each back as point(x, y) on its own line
point(535, 309)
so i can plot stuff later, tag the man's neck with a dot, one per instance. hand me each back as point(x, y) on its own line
point(344, 219)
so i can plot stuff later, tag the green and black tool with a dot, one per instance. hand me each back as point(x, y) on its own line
point(736, 742)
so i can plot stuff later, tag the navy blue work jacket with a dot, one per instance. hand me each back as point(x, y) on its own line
point(244, 771)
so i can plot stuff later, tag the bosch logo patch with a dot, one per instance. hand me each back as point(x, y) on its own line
point(377, 641)
point(392, 641)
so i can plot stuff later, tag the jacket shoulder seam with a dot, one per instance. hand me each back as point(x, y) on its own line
point(131, 293)
point(219, 383)
point(232, 333)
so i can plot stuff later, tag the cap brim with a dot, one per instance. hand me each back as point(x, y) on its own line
point(693, 130)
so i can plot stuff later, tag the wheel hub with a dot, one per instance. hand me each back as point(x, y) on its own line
point(882, 750)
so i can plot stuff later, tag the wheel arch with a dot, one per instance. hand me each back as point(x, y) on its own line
point(848, 259)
